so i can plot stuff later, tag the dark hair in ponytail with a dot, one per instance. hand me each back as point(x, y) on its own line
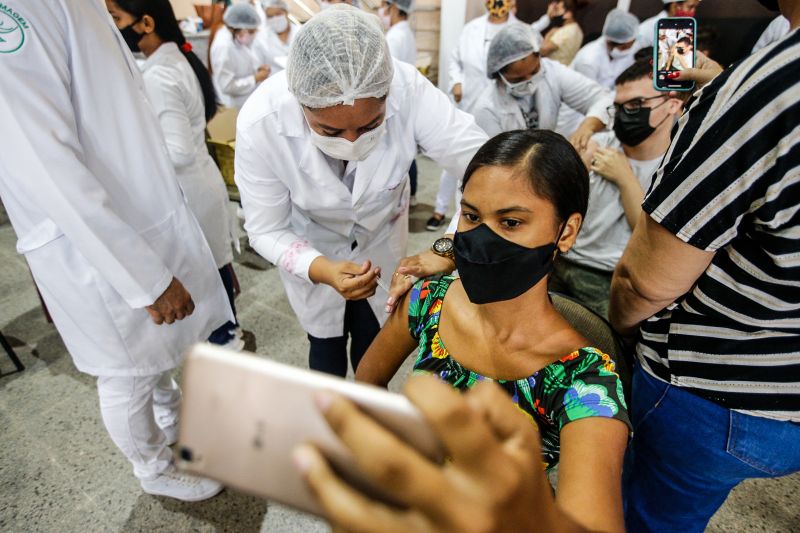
point(168, 30)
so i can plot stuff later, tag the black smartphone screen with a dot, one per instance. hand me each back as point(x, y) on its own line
point(673, 51)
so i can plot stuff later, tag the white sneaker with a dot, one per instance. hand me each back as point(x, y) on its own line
point(174, 484)
point(236, 344)
point(413, 201)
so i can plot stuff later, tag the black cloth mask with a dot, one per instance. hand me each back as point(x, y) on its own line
point(632, 130)
point(493, 269)
point(557, 21)
point(131, 36)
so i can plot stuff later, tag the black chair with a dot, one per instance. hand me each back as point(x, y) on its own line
point(597, 331)
point(11, 355)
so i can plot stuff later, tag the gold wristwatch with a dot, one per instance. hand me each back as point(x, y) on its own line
point(443, 247)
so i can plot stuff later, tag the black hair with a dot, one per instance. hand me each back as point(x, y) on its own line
point(640, 69)
point(168, 30)
point(644, 54)
point(685, 39)
point(553, 167)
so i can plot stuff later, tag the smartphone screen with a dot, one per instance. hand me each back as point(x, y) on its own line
point(673, 51)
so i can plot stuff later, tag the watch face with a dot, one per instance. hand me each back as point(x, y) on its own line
point(443, 245)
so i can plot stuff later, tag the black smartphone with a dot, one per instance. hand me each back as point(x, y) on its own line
point(673, 51)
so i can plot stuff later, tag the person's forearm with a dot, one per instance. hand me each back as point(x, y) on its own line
point(631, 195)
point(548, 48)
point(628, 306)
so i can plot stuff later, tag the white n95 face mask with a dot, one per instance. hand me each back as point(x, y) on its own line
point(339, 148)
point(278, 24)
point(523, 88)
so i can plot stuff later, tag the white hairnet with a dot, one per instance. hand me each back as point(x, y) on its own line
point(241, 17)
point(512, 43)
point(620, 26)
point(340, 55)
point(279, 4)
point(406, 6)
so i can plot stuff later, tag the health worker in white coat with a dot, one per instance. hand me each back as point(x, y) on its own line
point(608, 56)
point(403, 47)
point(115, 251)
point(467, 79)
point(603, 60)
point(181, 93)
point(322, 154)
point(277, 35)
point(236, 64)
point(399, 35)
point(527, 90)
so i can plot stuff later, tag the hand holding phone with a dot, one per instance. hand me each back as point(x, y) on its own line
point(674, 53)
point(242, 416)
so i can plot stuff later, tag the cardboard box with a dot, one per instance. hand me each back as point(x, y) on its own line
point(222, 141)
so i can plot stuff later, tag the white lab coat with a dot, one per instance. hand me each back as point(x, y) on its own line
point(233, 68)
point(647, 29)
point(468, 60)
point(497, 111)
point(89, 188)
point(402, 44)
point(271, 50)
point(298, 208)
point(594, 62)
point(775, 31)
point(176, 97)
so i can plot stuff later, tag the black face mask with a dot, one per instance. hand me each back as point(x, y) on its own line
point(632, 130)
point(493, 269)
point(557, 21)
point(131, 36)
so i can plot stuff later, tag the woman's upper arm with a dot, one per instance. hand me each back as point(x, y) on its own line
point(589, 474)
point(389, 349)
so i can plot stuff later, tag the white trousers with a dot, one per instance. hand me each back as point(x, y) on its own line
point(134, 409)
point(448, 190)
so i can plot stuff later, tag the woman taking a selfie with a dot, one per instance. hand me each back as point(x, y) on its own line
point(525, 194)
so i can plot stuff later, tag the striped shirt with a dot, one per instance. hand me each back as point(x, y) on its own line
point(730, 184)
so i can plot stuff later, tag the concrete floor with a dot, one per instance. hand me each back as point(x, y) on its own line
point(59, 471)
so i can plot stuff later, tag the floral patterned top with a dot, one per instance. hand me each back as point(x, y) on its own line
point(579, 385)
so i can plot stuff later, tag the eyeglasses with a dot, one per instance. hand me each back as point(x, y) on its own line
point(632, 107)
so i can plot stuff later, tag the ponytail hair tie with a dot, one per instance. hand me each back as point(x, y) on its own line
point(186, 47)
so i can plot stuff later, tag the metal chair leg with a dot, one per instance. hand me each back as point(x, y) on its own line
point(11, 355)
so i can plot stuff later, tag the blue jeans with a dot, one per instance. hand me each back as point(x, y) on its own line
point(688, 453)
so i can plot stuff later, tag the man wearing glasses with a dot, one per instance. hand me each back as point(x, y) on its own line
point(621, 164)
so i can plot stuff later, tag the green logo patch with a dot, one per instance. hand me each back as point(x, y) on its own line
point(12, 30)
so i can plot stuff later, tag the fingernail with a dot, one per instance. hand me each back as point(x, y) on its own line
point(390, 301)
point(323, 400)
point(387, 309)
point(302, 458)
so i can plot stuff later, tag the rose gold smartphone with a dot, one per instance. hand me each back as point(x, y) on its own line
point(242, 416)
